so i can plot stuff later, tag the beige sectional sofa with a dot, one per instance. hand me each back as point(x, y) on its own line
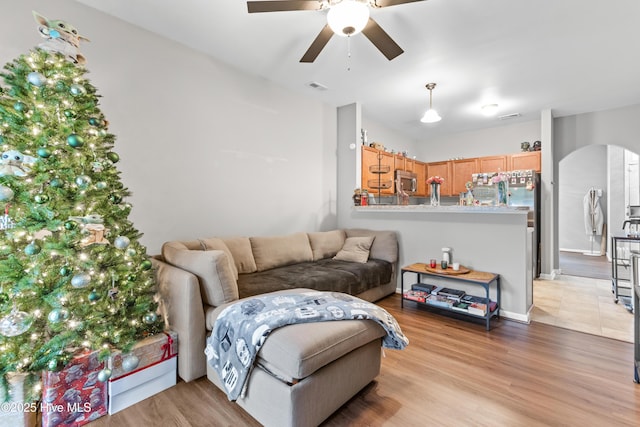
point(319, 366)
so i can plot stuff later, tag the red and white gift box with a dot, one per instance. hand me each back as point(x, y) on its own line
point(155, 371)
point(74, 396)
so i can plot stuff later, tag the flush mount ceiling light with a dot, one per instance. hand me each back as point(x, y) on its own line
point(489, 109)
point(431, 115)
point(348, 17)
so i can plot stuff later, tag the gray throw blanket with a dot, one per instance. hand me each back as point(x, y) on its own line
point(241, 329)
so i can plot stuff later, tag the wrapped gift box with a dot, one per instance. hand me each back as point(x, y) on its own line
point(146, 352)
point(17, 412)
point(74, 396)
point(155, 370)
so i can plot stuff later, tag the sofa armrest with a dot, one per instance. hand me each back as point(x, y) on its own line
point(180, 293)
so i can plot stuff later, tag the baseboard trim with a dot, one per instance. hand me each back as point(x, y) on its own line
point(517, 317)
point(552, 276)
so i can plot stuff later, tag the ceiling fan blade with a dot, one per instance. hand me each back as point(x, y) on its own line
point(318, 44)
point(381, 40)
point(387, 3)
point(282, 5)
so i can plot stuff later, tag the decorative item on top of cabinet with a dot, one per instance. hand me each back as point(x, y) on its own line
point(525, 160)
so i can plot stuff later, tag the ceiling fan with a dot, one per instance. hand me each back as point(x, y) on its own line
point(344, 17)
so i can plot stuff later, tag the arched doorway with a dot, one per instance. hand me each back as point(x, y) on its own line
point(581, 298)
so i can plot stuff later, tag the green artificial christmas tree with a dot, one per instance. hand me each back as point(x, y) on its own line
point(73, 274)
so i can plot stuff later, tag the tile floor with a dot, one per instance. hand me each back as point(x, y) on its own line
point(581, 304)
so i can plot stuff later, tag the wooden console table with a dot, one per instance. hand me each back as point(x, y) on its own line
point(480, 278)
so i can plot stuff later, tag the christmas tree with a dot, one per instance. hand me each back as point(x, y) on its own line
point(73, 275)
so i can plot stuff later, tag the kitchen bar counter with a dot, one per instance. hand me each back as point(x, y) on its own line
point(440, 209)
point(484, 238)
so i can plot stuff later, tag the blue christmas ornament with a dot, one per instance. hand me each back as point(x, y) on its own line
point(83, 181)
point(54, 34)
point(36, 79)
point(77, 90)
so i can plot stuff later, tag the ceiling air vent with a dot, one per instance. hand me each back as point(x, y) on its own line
point(317, 86)
point(509, 116)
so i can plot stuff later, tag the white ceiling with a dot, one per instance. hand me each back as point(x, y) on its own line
point(570, 56)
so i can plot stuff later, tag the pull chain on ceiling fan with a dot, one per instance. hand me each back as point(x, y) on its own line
point(345, 18)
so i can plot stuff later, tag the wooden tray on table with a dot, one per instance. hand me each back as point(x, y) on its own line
point(448, 271)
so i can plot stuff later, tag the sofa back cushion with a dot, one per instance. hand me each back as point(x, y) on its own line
point(240, 248)
point(217, 282)
point(326, 244)
point(216, 244)
point(385, 244)
point(276, 251)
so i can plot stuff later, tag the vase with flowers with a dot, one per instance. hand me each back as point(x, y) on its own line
point(435, 182)
point(502, 183)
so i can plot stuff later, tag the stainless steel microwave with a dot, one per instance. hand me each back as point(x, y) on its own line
point(406, 181)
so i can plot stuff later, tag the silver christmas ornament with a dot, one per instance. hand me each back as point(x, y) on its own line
point(130, 362)
point(80, 280)
point(6, 194)
point(121, 242)
point(15, 323)
point(104, 375)
point(36, 79)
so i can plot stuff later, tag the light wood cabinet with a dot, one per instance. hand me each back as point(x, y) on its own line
point(525, 160)
point(377, 171)
point(420, 169)
point(441, 169)
point(461, 171)
point(402, 163)
point(493, 164)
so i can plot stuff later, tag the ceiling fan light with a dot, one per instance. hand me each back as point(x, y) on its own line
point(431, 116)
point(348, 17)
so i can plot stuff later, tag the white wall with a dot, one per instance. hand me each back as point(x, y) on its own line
point(205, 149)
point(504, 139)
point(579, 172)
point(391, 139)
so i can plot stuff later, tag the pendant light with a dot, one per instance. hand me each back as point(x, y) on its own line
point(431, 115)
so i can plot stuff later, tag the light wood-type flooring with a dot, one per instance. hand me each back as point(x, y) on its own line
point(581, 298)
point(453, 373)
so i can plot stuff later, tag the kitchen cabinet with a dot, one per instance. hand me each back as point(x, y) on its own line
point(403, 163)
point(443, 170)
point(493, 164)
point(525, 160)
point(377, 171)
point(420, 169)
point(461, 171)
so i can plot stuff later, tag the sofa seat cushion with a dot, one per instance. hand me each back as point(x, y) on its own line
point(374, 272)
point(303, 275)
point(296, 351)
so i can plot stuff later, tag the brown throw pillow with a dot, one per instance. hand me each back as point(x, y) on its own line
point(355, 249)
